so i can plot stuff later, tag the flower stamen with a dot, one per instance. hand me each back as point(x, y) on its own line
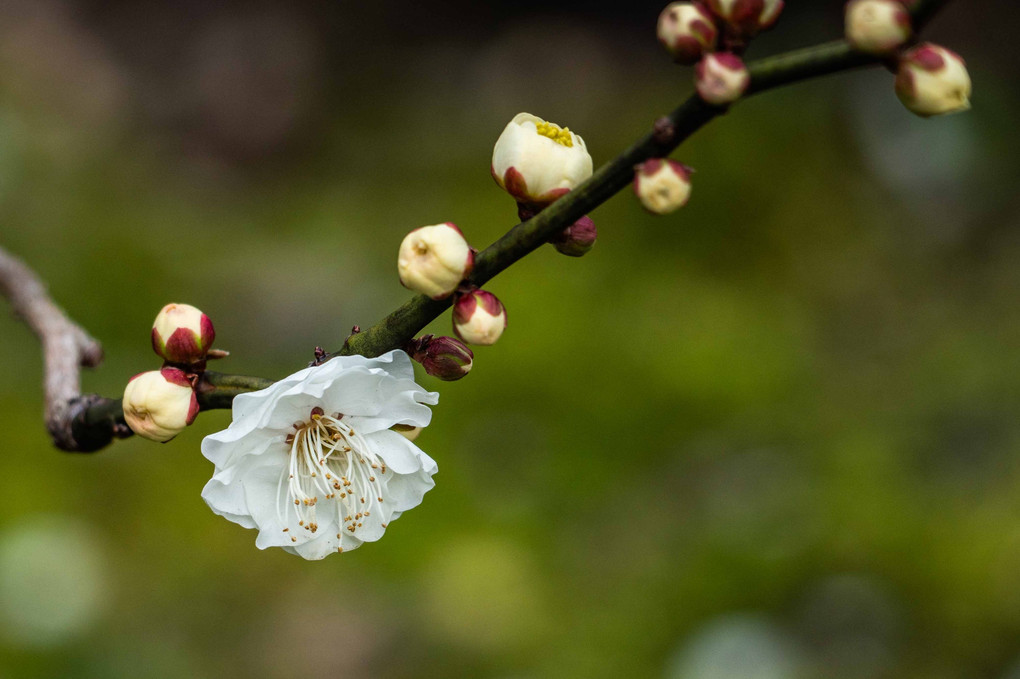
point(327, 455)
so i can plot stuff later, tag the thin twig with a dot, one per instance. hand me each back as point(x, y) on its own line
point(66, 347)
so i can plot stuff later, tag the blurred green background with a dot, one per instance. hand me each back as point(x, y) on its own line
point(771, 436)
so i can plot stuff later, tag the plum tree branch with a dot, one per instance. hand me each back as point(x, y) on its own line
point(693, 114)
point(87, 423)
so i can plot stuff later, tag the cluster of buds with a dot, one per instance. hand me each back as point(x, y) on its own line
point(435, 261)
point(159, 404)
point(693, 32)
point(930, 79)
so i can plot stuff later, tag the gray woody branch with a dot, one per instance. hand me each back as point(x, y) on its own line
point(88, 423)
point(66, 347)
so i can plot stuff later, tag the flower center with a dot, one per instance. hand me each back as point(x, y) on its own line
point(559, 135)
point(330, 461)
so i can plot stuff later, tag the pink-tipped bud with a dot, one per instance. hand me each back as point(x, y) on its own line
point(721, 78)
point(662, 185)
point(182, 334)
point(687, 30)
point(577, 239)
point(159, 404)
point(877, 26)
point(444, 357)
point(433, 260)
point(746, 18)
point(479, 317)
point(932, 80)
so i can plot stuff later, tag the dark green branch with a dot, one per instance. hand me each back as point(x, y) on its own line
point(99, 420)
point(401, 325)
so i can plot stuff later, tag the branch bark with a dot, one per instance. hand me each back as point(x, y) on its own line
point(66, 348)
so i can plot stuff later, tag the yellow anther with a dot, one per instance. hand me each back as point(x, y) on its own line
point(554, 132)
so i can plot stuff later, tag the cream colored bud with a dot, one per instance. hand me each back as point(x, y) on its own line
point(662, 185)
point(479, 318)
point(182, 334)
point(932, 80)
point(159, 404)
point(877, 26)
point(433, 260)
point(721, 78)
point(687, 30)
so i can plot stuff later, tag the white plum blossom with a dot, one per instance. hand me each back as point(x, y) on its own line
point(312, 461)
point(536, 161)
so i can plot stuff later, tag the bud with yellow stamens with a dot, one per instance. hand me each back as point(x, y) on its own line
point(536, 161)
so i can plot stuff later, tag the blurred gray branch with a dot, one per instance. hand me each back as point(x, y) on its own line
point(66, 347)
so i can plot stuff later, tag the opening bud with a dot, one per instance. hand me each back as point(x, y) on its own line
point(159, 404)
point(479, 317)
point(536, 161)
point(932, 80)
point(577, 239)
point(182, 334)
point(444, 357)
point(747, 18)
point(721, 78)
point(662, 185)
point(433, 260)
point(687, 30)
point(877, 26)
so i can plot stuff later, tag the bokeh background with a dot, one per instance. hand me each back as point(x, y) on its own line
point(772, 436)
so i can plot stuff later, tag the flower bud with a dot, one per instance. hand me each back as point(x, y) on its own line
point(159, 404)
point(444, 357)
point(577, 239)
point(536, 162)
point(932, 80)
point(746, 18)
point(662, 185)
point(433, 260)
point(721, 78)
point(479, 317)
point(687, 30)
point(182, 334)
point(877, 26)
